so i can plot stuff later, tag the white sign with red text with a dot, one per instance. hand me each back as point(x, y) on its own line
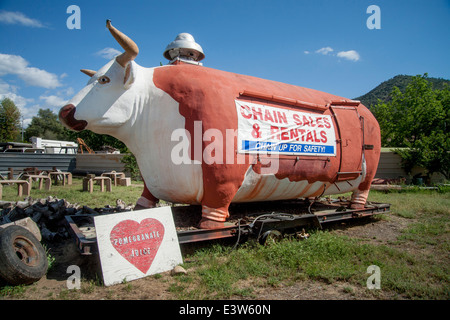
point(136, 244)
point(271, 130)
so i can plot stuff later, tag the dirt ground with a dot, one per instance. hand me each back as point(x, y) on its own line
point(54, 284)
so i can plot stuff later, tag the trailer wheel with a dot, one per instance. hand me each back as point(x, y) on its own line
point(22, 258)
point(270, 237)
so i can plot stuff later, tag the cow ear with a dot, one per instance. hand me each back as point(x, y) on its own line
point(130, 74)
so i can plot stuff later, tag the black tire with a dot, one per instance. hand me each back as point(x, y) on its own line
point(22, 258)
point(270, 237)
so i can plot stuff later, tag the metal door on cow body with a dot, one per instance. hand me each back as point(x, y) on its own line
point(351, 139)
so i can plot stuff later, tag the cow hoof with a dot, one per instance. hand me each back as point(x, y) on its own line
point(139, 207)
point(357, 206)
point(210, 224)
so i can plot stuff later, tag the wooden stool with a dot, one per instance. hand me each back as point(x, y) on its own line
point(115, 176)
point(40, 179)
point(125, 182)
point(66, 177)
point(88, 183)
point(23, 187)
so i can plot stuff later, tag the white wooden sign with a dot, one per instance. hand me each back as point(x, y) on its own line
point(137, 244)
point(266, 129)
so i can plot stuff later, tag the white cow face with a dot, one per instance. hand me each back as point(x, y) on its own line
point(106, 102)
point(103, 105)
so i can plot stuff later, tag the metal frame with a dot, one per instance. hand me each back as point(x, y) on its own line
point(283, 222)
point(85, 245)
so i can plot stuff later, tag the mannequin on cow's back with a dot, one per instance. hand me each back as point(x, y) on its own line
point(189, 127)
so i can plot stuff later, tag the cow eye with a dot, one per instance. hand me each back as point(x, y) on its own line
point(103, 80)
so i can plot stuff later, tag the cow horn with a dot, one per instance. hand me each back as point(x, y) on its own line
point(90, 73)
point(131, 49)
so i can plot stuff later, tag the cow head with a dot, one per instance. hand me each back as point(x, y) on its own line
point(104, 103)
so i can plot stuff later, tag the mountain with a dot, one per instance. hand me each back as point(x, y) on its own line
point(383, 90)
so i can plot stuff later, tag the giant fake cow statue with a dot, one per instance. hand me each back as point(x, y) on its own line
point(209, 137)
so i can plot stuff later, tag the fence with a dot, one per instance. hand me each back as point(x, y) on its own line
point(43, 161)
point(75, 163)
point(99, 162)
point(388, 168)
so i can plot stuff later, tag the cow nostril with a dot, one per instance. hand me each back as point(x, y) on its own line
point(67, 117)
point(65, 111)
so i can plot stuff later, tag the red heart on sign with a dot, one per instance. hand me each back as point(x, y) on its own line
point(138, 242)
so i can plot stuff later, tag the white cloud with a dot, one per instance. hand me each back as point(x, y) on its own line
point(8, 91)
point(6, 87)
point(351, 55)
point(26, 112)
point(53, 101)
point(67, 91)
point(28, 106)
point(19, 101)
point(10, 17)
point(325, 50)
point(11, 64)
point(108, 53)
point(40, 78)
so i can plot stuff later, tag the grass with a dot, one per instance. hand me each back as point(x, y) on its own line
point(414, 266)
point(413, 202)
point(75, 194)
point(324, 257)
point(13, 291)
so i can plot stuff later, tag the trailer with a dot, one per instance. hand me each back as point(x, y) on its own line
point(263, 222)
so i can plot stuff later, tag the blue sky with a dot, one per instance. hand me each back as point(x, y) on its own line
point(324, 45)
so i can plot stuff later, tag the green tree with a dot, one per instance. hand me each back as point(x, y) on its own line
point(417, 120)
point(9, 120)
point(129, 160)
point(95, 140)
point(46, 125)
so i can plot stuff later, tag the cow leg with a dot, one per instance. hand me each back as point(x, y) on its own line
point(360, 195)
point(359, 198)
point(215, 203)
point(147, 200)
point(213, 218)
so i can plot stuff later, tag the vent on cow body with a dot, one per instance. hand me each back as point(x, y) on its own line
point(351, 142)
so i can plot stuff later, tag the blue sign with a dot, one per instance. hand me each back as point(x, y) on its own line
point(285, 147)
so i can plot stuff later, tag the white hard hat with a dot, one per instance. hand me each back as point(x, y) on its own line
point(184, 45)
